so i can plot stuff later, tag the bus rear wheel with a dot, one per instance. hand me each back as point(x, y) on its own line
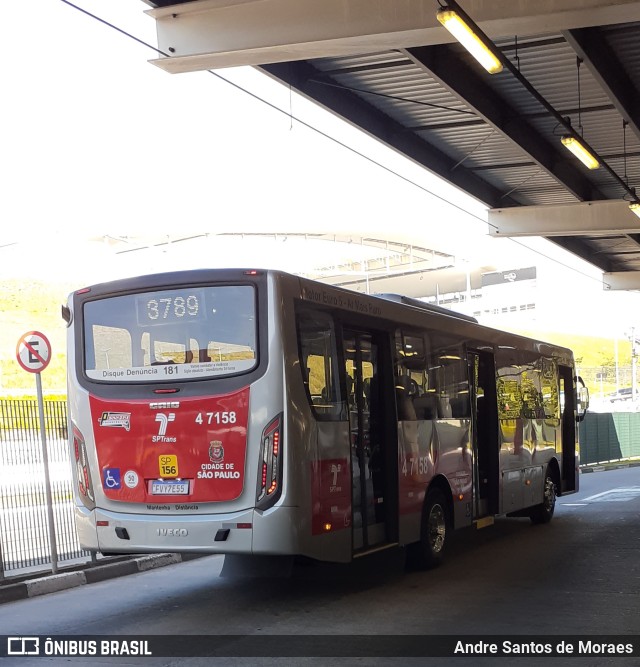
point(543, 513)
point(429, 552)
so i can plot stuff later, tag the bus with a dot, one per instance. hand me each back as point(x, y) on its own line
point(255, 412)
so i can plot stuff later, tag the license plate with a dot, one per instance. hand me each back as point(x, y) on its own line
point(169, 487)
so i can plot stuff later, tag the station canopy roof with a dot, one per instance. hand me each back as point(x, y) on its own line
point(569, 68)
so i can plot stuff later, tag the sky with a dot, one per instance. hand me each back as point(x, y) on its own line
point(98, 141)
point(95, 142)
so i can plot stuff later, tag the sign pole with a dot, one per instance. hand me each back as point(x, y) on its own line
point(47, 481)
point(33, 353)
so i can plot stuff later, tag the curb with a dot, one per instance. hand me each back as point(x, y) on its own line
point(614, 466)
point(91, 575)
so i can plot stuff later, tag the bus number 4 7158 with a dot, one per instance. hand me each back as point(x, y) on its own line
point(216, 418)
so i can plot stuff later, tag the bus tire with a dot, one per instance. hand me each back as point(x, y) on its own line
point(543, 513)
point(434, 530)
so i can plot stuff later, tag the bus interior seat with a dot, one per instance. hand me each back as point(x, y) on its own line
point(459, 407)
point(366, 390)
point(319, 401)
point(350, 389)
point(406, 409)
point(426, 406)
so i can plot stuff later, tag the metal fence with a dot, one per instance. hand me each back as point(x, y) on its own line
point(24, 530)
point(608, 437)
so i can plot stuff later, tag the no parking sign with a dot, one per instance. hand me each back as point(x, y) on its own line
point(33, 351)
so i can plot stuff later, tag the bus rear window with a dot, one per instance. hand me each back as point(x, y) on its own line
point(180, 334)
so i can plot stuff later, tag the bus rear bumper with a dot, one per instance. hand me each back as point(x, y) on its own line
point(245, 532)
point(118, 532)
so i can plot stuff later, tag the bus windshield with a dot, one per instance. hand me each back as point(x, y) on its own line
point(178, 334)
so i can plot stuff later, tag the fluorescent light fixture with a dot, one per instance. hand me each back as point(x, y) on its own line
point(635, 208)
point(466, 35)
point(580, 152)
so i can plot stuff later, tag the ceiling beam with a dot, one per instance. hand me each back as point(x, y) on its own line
point(581, 219)
point(307, 80)
point(563, 224)
point(591, 47)
point(621, 280)
point(212, 34)
point(445, 65)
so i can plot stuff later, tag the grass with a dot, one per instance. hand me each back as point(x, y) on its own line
point(593, 355)
point(589, 351)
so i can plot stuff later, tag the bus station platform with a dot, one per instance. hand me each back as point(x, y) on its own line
point(38, 583)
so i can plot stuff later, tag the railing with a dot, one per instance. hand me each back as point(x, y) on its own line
point(24, 530)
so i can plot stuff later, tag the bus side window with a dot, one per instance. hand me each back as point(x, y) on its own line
point(318, 361)
point(550, 397)
point(527, 387)
point(509, 394)
point(451, 377)
point(415, 398)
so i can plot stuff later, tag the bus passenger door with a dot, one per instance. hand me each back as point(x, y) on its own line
point(486, 448)
point(568, 416)
point(368, 430)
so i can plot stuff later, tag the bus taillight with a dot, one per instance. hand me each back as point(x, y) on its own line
point(270, 484)
point(85, 486)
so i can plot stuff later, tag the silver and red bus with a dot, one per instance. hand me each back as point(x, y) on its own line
point(257, 412)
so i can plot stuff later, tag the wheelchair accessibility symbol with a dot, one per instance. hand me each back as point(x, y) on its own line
point(111, 478)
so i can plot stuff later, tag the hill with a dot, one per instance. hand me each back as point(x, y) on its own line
point(589, 351)
point(32, 306)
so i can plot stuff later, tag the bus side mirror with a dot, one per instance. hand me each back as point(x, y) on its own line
point(583, 400)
